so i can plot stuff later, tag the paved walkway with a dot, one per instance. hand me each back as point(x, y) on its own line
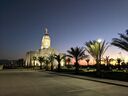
point(108, 81)
point(35, 83)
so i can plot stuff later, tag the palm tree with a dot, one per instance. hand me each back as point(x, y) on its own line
point(47, 61)
point(122, 41)
point(68, 61)
point(34, 59)
point(87, 60)
point(108, 60)
point(77, 53)
point(96, 50)
point(119, 61)
point(41, 60)
point(51, 60)
point(59, 58)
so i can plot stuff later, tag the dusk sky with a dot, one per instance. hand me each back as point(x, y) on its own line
point(70, 23)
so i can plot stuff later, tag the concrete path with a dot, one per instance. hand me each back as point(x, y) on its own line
point(33, 83)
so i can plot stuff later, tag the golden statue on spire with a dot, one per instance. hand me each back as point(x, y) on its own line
point(46, 30)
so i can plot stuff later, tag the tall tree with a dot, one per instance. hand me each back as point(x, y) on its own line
point(122, 41)
point(119, 61)
point(68, 60)
point(77, 53)
point(34, 59)
point(47, 62)
point(59, 58)
point(41, 60)
point(108, 60)
point(51, 60)
point(96, 50)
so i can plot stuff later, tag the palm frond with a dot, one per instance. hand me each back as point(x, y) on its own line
point(122, 41)
point(96, 49)
point(77, 53)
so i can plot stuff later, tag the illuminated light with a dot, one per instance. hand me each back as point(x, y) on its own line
point(62, 63)
point(113, 62)
point(99, 40)
point(83, 62)
point(46, 41)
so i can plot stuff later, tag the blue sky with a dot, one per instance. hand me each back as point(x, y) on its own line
point(70, 23)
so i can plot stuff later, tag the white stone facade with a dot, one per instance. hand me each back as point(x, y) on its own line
point(41, 52)
point(45, 51)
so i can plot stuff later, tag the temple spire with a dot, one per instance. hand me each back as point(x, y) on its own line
point(46, 41)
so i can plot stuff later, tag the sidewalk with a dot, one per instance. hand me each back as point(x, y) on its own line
point(108, 81)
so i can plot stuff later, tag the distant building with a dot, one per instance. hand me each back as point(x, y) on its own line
point(44, 51)
point(12, 63)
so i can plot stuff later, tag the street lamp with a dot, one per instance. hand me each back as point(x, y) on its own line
point(99, 40)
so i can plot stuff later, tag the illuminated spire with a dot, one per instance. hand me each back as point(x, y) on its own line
point(46, 41)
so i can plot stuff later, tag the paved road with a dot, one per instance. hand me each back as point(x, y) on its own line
point(30, 83)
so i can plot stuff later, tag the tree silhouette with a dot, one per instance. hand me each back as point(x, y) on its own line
point(59, 58)
point(118, 62)
point(47, 61)
point(87, 60)
point(96, 50)
point(108, 62)
point(34, 59)
point(77, 53)
point(41, 60)
point(51, 60)
point(122, 41)
point(68, 60)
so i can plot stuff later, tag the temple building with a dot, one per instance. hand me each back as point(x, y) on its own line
point(44, 51)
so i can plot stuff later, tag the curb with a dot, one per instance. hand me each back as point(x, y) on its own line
point(107, 81)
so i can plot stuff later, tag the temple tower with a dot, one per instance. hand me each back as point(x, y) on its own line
point(46, 41)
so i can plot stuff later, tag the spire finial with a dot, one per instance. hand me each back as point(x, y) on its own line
point(46, 30)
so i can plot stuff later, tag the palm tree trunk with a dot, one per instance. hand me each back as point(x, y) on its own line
point(68, 65)
point(59, 68)
point(76, 67)
point(98, 71)
point(51, 66)
point(46, 67)
point(34, 65)
point(41, 66)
